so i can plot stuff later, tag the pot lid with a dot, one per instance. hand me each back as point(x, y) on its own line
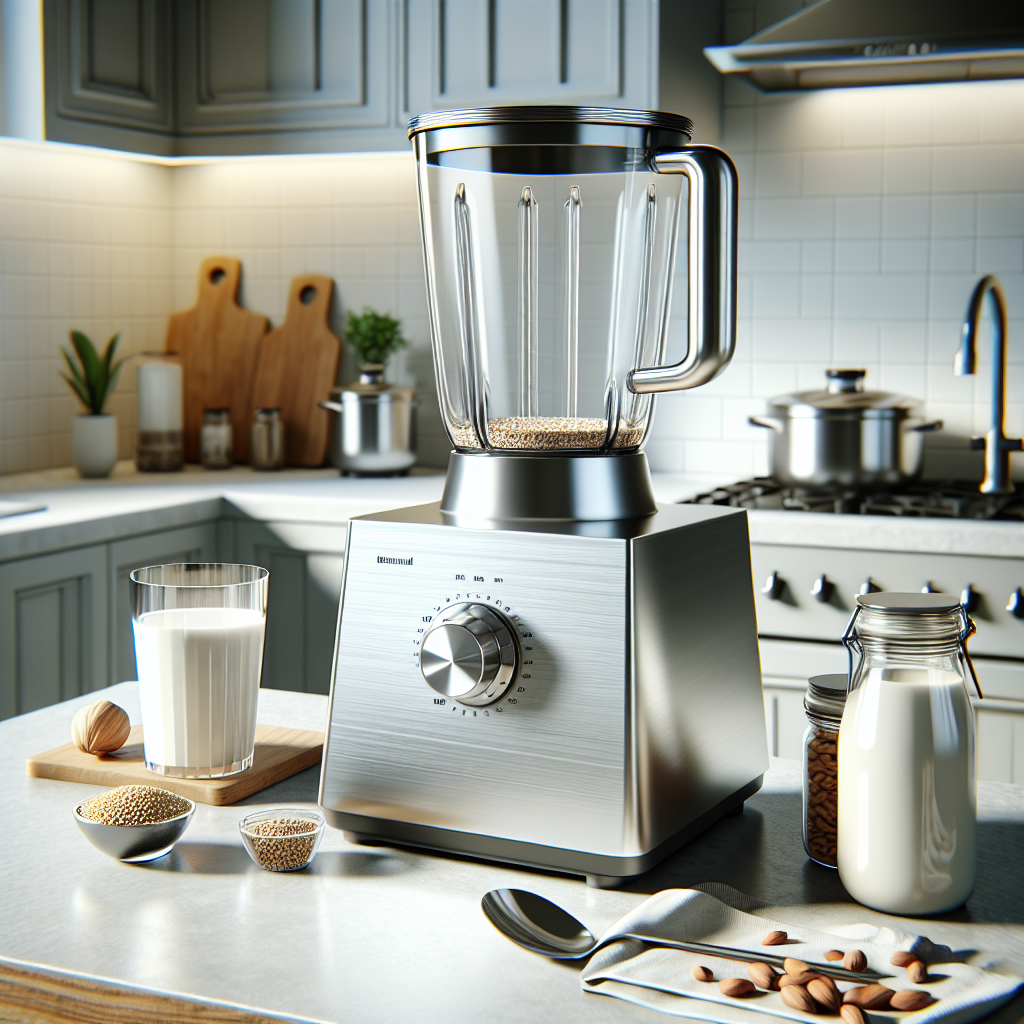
point(845, 393)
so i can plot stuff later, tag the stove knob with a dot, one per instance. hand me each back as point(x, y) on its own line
point(929, 589)
point(823, 589)
point(869, 586)
point(470, 654)
point(969, 598)
point(1015, 606)
point(774, 586)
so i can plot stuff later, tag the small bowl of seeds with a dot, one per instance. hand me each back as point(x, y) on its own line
point(134, 824)
point(282, 840)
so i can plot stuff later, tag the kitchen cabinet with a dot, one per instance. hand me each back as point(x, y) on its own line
point(306, 562)
point(54, 617)
point(189, 544)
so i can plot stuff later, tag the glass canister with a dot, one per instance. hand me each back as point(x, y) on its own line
point(266, 449)
point(823, 705)
point(159, 413)
point(907, 800)
point(215, 439)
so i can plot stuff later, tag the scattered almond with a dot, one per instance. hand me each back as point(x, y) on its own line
point(736, 987)
point(917, 972)
point(834, 954)
point(703, 973)
point(855, 960)
point(911, 999)
point(798, 979)
point(902, 959)
point(851, 1014)
point(793, 966)
point(775, 939)
point(763, 976)
point(797, 998)
point(825, 995)
point(869, 997)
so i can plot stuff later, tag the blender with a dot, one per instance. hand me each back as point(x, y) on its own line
point(546, 667)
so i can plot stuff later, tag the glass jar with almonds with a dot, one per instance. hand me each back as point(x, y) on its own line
point(823, 704)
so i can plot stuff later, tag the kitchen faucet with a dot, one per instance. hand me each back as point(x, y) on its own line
point(996, 444)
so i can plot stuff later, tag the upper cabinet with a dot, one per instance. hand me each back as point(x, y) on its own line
point(203, 77)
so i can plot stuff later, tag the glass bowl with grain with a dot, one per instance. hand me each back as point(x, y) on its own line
point(284, 839)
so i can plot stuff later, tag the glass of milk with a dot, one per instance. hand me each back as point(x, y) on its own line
point(906, 816)
point(199, 631)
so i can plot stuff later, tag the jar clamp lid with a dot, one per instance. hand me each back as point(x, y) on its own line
point(826, 695)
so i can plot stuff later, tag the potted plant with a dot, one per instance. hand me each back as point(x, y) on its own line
point(92, 379)
point(373, 430)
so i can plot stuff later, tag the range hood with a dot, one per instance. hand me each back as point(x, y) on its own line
point(881, 42)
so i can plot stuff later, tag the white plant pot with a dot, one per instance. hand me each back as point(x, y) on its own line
point(94, 444)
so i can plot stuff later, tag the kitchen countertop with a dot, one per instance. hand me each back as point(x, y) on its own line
point(83, 512)
point(380, 934)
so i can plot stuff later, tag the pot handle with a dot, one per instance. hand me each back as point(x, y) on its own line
point(927, 428)
point(765, 421)
point(332, 406)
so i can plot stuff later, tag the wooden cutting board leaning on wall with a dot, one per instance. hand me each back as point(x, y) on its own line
point(297, 366)
point(218, 342)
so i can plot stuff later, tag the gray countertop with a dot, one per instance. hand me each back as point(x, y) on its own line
point(379, 934)
point(81, 512)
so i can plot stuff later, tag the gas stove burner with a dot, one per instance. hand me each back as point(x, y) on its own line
point(938, 500)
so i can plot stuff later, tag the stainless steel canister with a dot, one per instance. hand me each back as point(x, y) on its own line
point(845, 437)
point(372, 430)
point(267, 448)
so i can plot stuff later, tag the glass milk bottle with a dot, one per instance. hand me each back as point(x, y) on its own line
point(907, 806)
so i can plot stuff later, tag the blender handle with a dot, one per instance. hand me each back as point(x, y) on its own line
point(711, 272)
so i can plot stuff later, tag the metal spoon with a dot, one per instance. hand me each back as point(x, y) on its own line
point(541, 926)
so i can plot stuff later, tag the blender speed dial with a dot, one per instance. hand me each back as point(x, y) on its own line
point(470, 654)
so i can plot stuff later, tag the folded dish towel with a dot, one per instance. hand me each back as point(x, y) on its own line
point(718, 914)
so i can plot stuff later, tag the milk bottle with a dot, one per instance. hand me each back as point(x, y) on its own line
point(907, 808)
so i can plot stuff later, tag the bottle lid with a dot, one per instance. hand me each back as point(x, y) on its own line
point(826, 695)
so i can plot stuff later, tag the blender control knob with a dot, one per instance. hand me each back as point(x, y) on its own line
point(1015, 606)
point(823, 589)
point(470, 654)
point(773, 586)
point(969, 598)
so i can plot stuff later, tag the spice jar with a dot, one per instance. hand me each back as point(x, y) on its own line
point(215, 440)
point(823, 704)
point(158, 385)
point(907, 802)
point(267, 448)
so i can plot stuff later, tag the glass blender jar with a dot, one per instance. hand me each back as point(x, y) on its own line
point(550, 237)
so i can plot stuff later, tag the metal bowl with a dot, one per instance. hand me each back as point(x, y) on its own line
point(135, 844)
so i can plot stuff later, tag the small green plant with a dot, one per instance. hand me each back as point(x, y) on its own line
point(93, 376)
point(374, 337)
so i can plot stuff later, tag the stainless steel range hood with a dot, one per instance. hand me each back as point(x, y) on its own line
point(881, 42)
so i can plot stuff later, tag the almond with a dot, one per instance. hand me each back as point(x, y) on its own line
point(798, 979)
point(869, 997)
point(834, 954)
point(736, 987)
point(774, 939)
point(703, 973)
point(902, 959)
point(824, 995)
point(763, 976)
point(792, 966)
point(911, 999)
point(855, 960)
point(797, 998)
point(851, 1014)
point(917, 972)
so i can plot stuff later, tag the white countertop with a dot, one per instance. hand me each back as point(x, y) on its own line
point(81, 512)
point(375, 934)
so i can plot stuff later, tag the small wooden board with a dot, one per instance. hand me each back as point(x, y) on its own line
point(218, 343)
point(280, 753)
point(296, 369)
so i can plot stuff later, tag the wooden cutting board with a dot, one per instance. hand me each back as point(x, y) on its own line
point(280, 753)
point(219, 343)
point(297, 366)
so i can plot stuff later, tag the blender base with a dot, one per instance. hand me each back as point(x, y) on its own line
point(551, 487)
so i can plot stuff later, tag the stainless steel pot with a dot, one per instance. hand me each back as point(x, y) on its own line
point(373, 426)
point(844, 437)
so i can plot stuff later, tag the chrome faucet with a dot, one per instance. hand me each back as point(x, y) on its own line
point(996, 444)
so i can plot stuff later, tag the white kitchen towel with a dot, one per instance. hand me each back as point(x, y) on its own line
point(718, 914)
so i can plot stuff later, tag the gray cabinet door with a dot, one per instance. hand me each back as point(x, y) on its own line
point(306, 563)
point(188, 544)
point(53, 628)
point(466, 53)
